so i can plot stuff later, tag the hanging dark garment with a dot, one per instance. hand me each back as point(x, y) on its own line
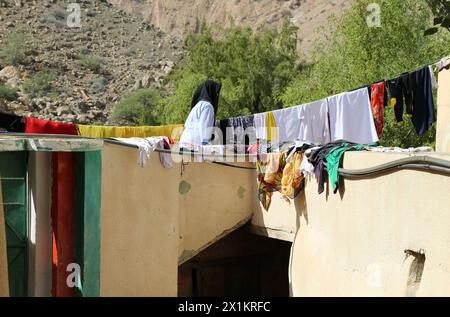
point(237, 128)
point(394, 87)
point(400, 94)
point(12, 123)
point(407, 92)
point(240, 126)
point(423, 112)
point(223, 124)
point(318, 159)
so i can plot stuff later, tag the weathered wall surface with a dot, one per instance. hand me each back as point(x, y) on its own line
point(153, 218)
point(353, 243)
point(281, 221)
point(213, 200)
point(139, 226)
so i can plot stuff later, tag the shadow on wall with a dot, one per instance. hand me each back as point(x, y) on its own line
point(415, 271)
point(301, 208)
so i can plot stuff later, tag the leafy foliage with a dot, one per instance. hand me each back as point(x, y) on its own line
point(358, 54)
point(99, 84)
point(441, 10)
point(254, 69)
point(138, 108)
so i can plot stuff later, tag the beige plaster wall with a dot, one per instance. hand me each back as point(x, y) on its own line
point(219, 199)
point(139, 226)
point(353, 243)
point(154, 218)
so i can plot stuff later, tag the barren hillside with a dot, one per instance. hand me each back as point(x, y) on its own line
point(85, 70)
point(180, 17)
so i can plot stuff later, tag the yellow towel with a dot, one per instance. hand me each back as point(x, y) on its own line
point(173, 131)
point(272, 134)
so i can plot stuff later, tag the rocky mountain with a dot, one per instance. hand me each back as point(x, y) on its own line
point(85, 69)
point(180, 17)
point(119, 46)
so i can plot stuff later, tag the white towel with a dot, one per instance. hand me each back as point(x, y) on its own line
point(351, 117)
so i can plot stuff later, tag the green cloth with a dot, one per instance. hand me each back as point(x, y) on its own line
point(334, 159)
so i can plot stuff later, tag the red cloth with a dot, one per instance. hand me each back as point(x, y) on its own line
point(377, 103)
point(33, 125)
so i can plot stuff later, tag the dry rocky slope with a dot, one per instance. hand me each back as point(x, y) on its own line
point(180, 17)
point(132, 53)
point(137, 42)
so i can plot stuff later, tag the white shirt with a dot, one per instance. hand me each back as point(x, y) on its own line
point(198, 126)
point(307, 123)
point(261, 125)
point(351, 117)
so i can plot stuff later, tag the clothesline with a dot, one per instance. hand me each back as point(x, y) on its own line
point(18, 124)
point(394, 77)
point(410, 71)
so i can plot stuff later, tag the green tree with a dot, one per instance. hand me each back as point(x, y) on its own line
point(138, 108)
point(253, 67)
point(358, 54)
point(441, 11)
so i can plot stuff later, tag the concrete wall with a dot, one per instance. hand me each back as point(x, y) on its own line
point(281, 221)
point(219, 199)
point(154, 218)
point(353, 243)
point(139, 226)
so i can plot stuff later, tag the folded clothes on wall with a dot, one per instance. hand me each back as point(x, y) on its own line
point(147, 146)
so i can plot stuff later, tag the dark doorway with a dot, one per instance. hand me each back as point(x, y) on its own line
point(240, 264)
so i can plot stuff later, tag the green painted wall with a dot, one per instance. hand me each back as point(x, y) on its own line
point(88, 197)
point(13, 177)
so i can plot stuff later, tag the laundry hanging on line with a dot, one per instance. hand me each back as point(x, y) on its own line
point(238, 130)
point(334, 160)
point(276, 173)
point(347, 116)
point(351, 117)
point(415, 91)
point(377, 103)
point(409, 92)
point(306, 123)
